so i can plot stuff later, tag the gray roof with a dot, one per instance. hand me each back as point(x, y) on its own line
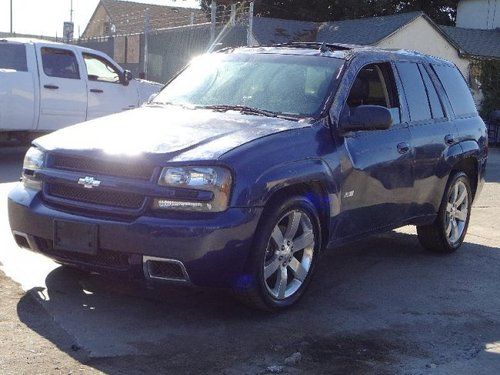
point(364, 31)
point(269, 31)
point(475, 42)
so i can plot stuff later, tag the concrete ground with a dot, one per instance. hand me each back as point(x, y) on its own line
point(381, 305)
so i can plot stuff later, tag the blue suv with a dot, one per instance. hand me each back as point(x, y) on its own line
point(251, 162)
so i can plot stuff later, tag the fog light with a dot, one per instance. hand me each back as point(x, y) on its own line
point(182, 205)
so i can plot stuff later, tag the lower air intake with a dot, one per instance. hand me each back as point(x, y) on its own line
point(164, 269)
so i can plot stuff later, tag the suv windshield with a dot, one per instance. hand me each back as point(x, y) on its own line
point(269, 83)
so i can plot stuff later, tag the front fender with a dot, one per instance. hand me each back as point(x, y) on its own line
point(310, 172)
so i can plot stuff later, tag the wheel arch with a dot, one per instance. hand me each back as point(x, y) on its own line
point(469, 165)
point(468, 162)
point(309, 178)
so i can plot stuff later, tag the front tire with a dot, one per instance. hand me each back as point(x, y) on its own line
point(448, 231)
point(286, 249)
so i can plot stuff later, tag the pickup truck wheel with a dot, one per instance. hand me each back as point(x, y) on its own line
point(448, 231)
point(286, 248)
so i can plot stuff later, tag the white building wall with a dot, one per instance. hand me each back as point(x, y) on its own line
point(478, 14)
point(421, 36)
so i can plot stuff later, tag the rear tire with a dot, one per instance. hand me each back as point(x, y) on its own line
point(446, 234)
point(286, 249)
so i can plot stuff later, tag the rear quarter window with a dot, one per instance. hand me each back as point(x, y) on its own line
point(457, 90)
point(13, 57)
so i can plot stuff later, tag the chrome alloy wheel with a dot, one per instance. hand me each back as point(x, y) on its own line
point(456, 212)
point(289, 254)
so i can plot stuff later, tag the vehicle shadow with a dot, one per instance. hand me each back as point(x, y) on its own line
point(493, 165)
point(11, 160)
point(370, 304)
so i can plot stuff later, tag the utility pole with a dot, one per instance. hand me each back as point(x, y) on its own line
point(213, 20)
point(71, 12)
point(146, 49)
point(11, 27)
point(250, 40)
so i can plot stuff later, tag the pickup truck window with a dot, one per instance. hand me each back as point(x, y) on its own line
point(99, 69)
point(13, 57)
point(457, 90)
point(414, 88)
point(60, 63)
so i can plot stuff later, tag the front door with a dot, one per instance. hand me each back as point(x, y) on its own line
point(107, 92)
point(63, 91)
point(377, 165)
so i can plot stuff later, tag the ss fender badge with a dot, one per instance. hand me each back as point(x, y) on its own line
point(349, 194)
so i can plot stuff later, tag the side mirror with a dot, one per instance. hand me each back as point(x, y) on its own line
point(367, 117)
point(127, 77)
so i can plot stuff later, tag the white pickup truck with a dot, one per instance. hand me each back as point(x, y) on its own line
point(45, 86)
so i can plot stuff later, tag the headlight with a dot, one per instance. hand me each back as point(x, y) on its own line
point(33, 161)
point(207, 189)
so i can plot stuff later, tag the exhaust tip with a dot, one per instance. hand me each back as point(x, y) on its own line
point(164, 269)
point(22, 240)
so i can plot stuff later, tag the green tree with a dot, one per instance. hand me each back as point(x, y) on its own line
point(490, 86)
point(441, 11)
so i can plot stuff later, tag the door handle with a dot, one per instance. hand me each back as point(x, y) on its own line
point(449, 139)
point(97, 91)
point(51, 87)
point(403, 147)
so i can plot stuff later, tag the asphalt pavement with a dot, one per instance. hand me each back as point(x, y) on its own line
point(381, 305)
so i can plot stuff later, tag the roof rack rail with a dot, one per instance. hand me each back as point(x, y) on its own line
point(323, 46)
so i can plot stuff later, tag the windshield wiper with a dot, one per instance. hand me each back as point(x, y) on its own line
point(240, 108)
point(162, 104)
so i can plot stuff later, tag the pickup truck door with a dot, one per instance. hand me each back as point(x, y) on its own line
point(18, 80)
point(108, 92)
point(377, 165)
point(63, 88)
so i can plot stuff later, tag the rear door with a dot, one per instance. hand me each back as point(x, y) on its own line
point(107, 92)
point(433, 135)
point(63, 89)
point(18, 94)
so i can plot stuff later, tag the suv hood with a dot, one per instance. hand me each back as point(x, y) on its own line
point(184, 134)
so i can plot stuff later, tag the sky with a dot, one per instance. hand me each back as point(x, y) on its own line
point(46, 17)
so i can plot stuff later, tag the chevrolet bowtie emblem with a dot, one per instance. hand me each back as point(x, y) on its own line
point(89, 182)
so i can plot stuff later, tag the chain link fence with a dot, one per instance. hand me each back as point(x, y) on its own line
point(159, 54)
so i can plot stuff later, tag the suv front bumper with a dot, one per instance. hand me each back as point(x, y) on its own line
point(212, 249)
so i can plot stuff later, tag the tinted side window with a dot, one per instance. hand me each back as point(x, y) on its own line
point(436, 106)
point(457, 90)
point(60, 63)
point(414, 89)
point(375, 85)
point(13, 57)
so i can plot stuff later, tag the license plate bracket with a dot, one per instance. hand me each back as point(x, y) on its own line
point(75, 237)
